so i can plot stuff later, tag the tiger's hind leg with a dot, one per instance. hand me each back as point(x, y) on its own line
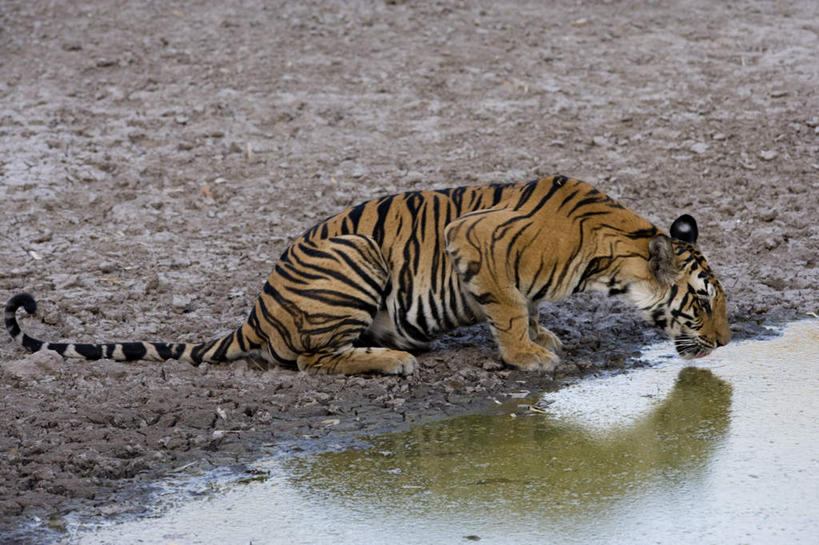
point(352, 361)
point(321, 297)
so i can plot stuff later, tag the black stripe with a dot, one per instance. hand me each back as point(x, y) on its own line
point(497, 195)
point(168, 351)
point(382, 210)
point(422, 316)
point(11, 326)
point(541, 293)
point(376, 286)
point(525, 194)
point(595, 266)
point(89, 351)
point(133, 351)
point(567, 199)
point(323, 271)
point(586, 201)
point(33, 345)
point(337, 298)
point(355, 216)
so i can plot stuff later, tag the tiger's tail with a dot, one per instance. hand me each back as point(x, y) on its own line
point(230, 347)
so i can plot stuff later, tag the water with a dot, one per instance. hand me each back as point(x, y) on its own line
point(727, 453)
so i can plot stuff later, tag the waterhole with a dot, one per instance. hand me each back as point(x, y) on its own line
point(725, 452)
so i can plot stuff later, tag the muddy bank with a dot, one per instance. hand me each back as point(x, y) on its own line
point(154, 160)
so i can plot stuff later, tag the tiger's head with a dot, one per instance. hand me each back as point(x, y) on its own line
point(688, 301)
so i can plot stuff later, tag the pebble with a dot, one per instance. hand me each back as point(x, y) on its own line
point(768, 155)
point(182, 303)
point(699, 148)
point(774, 282)
point(413, 176)
point(600, 141)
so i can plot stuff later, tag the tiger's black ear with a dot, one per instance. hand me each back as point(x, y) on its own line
point(685, 228)
point(661, 260)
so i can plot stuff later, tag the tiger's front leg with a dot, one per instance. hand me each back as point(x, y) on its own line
point(482, 260)
point(540, 334)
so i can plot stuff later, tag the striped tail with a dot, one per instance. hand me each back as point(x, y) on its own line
point(230, 347)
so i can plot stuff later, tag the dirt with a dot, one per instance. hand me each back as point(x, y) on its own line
point(157, 157)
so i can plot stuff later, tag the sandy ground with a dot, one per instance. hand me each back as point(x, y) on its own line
point(156, 157)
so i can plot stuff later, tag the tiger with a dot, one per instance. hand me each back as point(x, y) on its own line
point(366, 289)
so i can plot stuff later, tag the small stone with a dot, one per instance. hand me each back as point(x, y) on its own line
point(768, 155)
point(57, 523)
point(64, 281)
point(769, 216)
point(413, 176)
point(113, 508)
point(107, 267)
point(718, 136)
point(182, 303)
point(600, 141)
point(774, 282)
point(779, 93)
point(699, 148)
point(745, 161)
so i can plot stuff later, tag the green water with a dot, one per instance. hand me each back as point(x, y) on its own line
point(727, 453)
point(533, 467)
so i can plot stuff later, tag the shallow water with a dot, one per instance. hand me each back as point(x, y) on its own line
point(724, 453)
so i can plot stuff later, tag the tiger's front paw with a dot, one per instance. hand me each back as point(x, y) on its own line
point(547, 339)
point(532, 357)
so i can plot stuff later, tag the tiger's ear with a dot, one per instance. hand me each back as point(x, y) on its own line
point(661, 260)
point(685, 228)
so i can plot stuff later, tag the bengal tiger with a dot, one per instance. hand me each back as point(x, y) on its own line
point(361, 290)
